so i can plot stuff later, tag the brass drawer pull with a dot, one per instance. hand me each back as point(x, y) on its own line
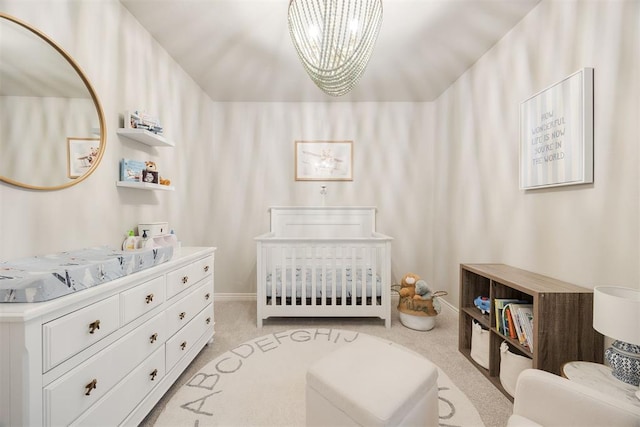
point(93, 326)
point(153, 374)
point(181, 315)
point(185, 279)
point(183, 345)
point(208, 320)
point(206, 268)
point(149, 298)
point(207, 296)
point(153, 338)
point(92, 385)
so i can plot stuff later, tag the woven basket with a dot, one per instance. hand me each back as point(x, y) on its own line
point(420, 307)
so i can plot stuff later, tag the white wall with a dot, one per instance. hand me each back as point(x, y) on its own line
point(444, 175)
point(587, 234)
point(231, 162)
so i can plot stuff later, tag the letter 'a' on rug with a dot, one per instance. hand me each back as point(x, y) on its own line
point(262, 383)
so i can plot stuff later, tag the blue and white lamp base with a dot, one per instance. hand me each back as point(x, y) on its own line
point(624, 360)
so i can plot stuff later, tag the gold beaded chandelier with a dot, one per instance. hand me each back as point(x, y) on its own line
point(334, 39)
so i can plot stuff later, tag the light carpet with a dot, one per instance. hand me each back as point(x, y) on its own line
point(261, 382)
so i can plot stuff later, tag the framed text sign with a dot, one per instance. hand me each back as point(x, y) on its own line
point(556, 134)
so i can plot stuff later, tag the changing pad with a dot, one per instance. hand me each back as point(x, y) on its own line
point(43, 278)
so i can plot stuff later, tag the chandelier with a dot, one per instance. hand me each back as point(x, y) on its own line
point(334, 39)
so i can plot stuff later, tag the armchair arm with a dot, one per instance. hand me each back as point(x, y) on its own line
point(551, 400)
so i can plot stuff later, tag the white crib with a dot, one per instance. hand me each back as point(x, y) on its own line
point(323, 261)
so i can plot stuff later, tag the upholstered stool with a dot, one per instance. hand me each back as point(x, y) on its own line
point(372, 383)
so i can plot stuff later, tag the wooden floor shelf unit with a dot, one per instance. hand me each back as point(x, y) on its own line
point(563, 317)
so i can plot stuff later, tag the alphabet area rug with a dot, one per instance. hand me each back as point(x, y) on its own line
point(262, 383)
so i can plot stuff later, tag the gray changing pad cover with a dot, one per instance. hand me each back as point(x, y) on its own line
point(43, 278)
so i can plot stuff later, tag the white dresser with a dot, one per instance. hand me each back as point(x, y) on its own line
point(107, 354)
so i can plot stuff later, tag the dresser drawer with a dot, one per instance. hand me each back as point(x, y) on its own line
point(142, 299)
point(67, 335)
point(73, 393)
point(178, 345)
point(117, 404)
point(182, 278)
point(186, 308)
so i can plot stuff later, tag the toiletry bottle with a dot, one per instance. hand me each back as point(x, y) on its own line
point(143, 241)
point(129, 243)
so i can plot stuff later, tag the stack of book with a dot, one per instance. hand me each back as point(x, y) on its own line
point(514, 318)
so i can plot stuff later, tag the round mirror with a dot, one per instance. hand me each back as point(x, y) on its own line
point(52, 131)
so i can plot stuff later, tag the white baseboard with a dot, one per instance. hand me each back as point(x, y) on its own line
point(253, 297)
point(234, 297)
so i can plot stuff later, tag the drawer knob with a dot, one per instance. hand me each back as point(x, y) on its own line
point(153, 338)
point(149, 298)
point(185, 279)
point(93, 326)
point(206, 268)
point(208, 320)
point(183, 345)
point(153, 374)
point(92, 385)
point(207, 296)
point(181, 315)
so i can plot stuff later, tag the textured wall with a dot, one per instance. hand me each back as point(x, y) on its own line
point(443, 175)
point(231, 162)
point(587, 234)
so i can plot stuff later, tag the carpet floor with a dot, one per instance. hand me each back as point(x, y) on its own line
point(235, 324)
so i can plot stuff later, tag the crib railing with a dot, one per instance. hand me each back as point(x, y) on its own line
point(323, 277)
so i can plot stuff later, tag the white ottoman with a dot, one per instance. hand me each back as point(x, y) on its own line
point(372, 383)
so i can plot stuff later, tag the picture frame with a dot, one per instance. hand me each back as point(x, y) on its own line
point(324, 160)
point(556, 134)
point(81, 155)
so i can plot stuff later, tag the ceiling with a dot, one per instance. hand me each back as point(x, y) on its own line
point(240, 50)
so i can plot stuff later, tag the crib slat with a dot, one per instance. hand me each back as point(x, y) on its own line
point(363, 277)
point(303, 277)
point(274, 274)
point(374, 282)
point(343, 272)
point(293, 275)
point(354, 269)
point(323, 279)
point(313, 274)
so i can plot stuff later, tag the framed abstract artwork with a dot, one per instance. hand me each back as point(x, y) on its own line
point(324, 161)
point(81, 154)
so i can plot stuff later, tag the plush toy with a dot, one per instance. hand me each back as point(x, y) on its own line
point(165, 181)
point(408, 285)
point(422, 290)
point(150, 174)
point(483, 304)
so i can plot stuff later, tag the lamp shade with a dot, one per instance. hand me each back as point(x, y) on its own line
point(616, 313)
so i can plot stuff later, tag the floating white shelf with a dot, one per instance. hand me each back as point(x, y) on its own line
point(144, 186)
point(146, 137)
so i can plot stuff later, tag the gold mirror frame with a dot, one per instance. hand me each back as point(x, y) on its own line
point(94, 97)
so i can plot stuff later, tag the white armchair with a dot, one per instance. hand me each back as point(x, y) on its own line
point(545, 399)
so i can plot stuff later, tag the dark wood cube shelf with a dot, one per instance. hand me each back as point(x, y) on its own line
point(562, 318)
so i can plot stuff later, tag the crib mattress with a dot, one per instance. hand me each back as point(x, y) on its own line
point(43, 278)
point(320, 292)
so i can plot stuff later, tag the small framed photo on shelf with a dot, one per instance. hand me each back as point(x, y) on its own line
point(150, 177)
point(324, 160)
point(81, 155)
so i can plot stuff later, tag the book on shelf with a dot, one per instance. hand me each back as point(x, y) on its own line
point(526, 319)
point(500, 303)
point(522, 317)
point(509, 323)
